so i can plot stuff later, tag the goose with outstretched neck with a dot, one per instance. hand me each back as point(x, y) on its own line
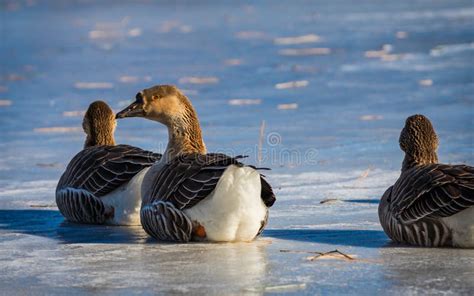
point(431, 204)
point(191, 194)
point(102, 183)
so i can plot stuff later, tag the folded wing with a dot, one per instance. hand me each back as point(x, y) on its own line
point(433, 191)
point(188, 179)
point(102, 169)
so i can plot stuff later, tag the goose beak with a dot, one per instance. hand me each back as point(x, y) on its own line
point(135, 109)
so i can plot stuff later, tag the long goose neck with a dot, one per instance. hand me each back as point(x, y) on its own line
point(412, 160)
point(184, 133)
point(100, 138)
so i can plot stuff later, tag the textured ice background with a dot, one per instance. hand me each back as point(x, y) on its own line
point(380, 62)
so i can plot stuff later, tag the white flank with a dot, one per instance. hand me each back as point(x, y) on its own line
point(462, 226)
point(234, 210)
point(126, 201)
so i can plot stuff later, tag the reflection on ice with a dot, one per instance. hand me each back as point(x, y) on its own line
point(436, 264)
point(337, 237)
point(96, 255)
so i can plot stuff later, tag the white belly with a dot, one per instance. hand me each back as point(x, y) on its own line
point(234, 211)
point(462, 226)
point(126, 201)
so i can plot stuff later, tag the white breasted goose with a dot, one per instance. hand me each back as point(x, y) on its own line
point(102, 182)
point(431, 204)
point(191, 194)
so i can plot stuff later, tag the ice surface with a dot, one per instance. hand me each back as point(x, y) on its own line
point(332, 156)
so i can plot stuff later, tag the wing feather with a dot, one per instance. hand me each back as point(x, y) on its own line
point(188, 179)
point(435, 190)
point(102, 169)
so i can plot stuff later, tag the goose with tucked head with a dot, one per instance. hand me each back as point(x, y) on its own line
point(102, 183)
point(99, 125)
point(191, 194)
point(431, 204)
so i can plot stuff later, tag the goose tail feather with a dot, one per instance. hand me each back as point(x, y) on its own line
point(81, 206)
point(163, 221)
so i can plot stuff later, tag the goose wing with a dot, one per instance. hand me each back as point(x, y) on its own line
point(102, 169)
point(268, 196)
point(435, 190)
point(188, 179)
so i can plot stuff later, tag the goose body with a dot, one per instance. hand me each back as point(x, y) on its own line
point(220, 199)
point(234, 211)
point(126, 201)
point(462, 227)
point(431, 204)
point(102, 183)
point(191, 194)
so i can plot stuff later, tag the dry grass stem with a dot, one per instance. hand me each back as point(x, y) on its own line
point(335, 254)
point(260, 142)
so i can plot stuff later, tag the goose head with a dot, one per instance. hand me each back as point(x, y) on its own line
point(168, 105)
point(419, 141)
point(163, 103)
point(99, 125)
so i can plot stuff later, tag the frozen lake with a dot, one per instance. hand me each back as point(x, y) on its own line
point(316, 90)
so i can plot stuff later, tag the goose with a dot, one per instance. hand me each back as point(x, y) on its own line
point(192, 195)
point(101, 184)
point(431, 204)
